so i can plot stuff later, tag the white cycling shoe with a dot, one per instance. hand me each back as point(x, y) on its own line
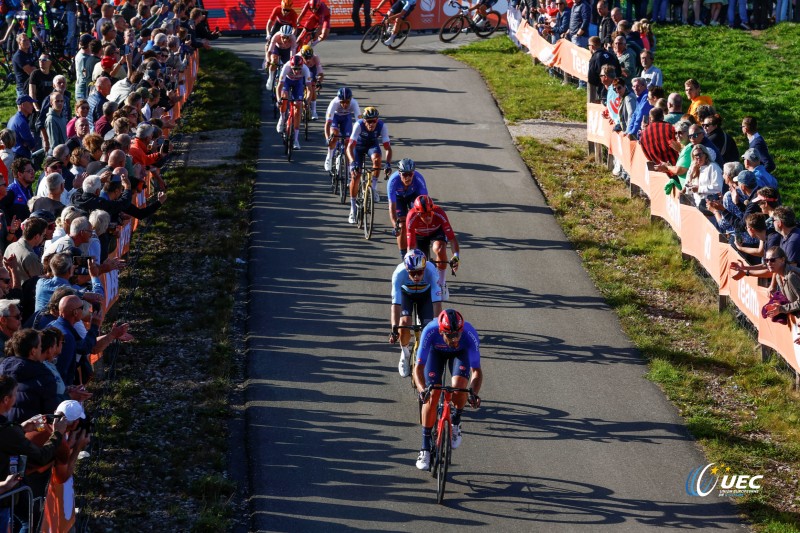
point(297, 145)
point(424, 460)
point(455, 438)
point(404, 366)
point(279, 126)
point(327, 164)
point(352, 218)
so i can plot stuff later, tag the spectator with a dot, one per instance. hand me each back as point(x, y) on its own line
point(82, 69)
point(54, 182)
point(55, 123)
point(81, 110)
point(63, 268)
point(786, 280)
point(607, 76)
point(627, 61)
point(70, 312)
point(579, 20)
point(98, 97)
point(756, 141)
point(642, 110)
point(632, 39)
point(103, 124)
point(743, 20)
point(40, 82)
point(696, 9)
point(8, 140)
point(675, 107)
point(20, 192)
point(741, 202)
point(36, 390)
point(760, 227)
point(692, 88)
point(563, 18)
point(651, 74)
point(725, 144)
point(752, 162)
point(9, 320)
point(716, 8)
point(88, 198)
point(627, 103)
point(24, 62)
point(786, 224)
point(677, 172)
point(21, 127)
point(704, 178)
point(139, 147)
point(656, 140)
point(27, 263)
point(79, 159)
point(600, 58)
point(606, 26)
point(698, 136)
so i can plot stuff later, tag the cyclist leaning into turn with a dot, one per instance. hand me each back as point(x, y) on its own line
point(280, 49)
point(369, 133)
point(314, 64)
point(400, 10)
point(414, 283)
point(319, 16)
point(282, 15)
point(403, 188)
point(428, 228)
point(293, 81)
point(341, 113)
point(447, 341)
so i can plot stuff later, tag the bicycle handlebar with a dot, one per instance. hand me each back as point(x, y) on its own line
point(474, 399)
point(450, 263)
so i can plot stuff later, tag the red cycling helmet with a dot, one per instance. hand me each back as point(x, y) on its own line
point(297, 62)
point(313, 4)
point(423, 204)
point(450, 322)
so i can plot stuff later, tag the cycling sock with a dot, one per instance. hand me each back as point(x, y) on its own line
point(403, 254)
point(330, 153)
point(296, 135)
point(456, 418)
point(426, 438)
point(352, 205)
point(441, 277)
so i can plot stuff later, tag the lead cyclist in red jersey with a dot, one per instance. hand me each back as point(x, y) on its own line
point(282, 15)
point(428, 228)
point(319, 17)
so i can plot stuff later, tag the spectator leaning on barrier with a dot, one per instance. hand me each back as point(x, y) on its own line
point(600, 58)
point(657, 138)
point(712, 126)
point(643, 107)
point(682, 146)
point(675, 108)
point(752, 162)
point(704, 179)
point(757, 142)
point(786, 279)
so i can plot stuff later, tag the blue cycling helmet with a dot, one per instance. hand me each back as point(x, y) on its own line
point(406, 165)
point(287, 30)
point(344, 93)
point(415, 260)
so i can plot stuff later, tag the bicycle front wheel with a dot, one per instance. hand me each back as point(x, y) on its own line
point(444, 460)
point(489, 26)
point(452, 27)
point(342, 177)
point(290, 137)
point(371, 38)
point(306, 118)
point(369, 213)
point(402, 35)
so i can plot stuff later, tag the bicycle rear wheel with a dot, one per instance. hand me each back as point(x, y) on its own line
point(490, 26)
point(369, 213)
point(342, 177)
point(402, 35)
point(290, 137)
point(306, 118)
point(444, 460)
point(334, 171)
point(452, 27)
point(371, 38)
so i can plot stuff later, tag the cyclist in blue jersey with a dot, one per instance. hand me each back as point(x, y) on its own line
point(369, 133)
point(314, 64)
point(292, 82)
point(342, 111)
point(415, 282)
point(403, 188)
point(399, 11)
point(448, 341)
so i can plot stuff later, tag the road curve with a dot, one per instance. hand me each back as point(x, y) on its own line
point(571, 435)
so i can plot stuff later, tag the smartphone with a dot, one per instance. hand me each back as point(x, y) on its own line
point(81, 260)
point(23, 465)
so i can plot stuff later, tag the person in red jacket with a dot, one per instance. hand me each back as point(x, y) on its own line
point(319, 18)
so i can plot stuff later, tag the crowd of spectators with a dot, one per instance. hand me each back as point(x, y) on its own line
point(78, 162)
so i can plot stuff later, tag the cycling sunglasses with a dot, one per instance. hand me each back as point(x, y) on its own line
point(407, 174)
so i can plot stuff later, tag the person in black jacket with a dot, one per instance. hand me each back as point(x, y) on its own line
point(728, 150)
point(37, 392)
point(600, 57)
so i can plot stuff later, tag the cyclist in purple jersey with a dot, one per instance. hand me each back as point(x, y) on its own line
point(402, 189)
point(448, 341)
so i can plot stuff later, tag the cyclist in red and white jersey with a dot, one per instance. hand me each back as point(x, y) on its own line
point(428, 228)
point(294, 79)
point(319, 16)
point(280, 48)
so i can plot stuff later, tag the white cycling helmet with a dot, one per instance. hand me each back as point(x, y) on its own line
point(287, 30)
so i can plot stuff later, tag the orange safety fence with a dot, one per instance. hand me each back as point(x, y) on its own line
point(699, 238)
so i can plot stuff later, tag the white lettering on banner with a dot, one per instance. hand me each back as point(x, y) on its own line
point(449, 10)
point(707, 247)
point(674, 213)
point(547, 55)
point(124, 239)
point(111, 286)
point(579, 64)
point(749, 297)
point(594, 123)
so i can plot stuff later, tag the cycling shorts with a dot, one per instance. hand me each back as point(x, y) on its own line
point(294, 88)
point(457, 363)
point(313, 71)
point(403, 205)
point(423, 302)
point(284, 53)
point(343, 124)
point(424, 242)
point(397, 7)
point(361, 152)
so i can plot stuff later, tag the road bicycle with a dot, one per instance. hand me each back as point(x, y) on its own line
point(484, 27)
point(273, 89)
point(306, 117)
point(365, 205)
point(441, 434)
point(382, 31)
point(288, 129)
point(305, 36)
point(339, 171)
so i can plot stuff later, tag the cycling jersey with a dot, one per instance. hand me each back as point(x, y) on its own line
point(415, 226)
point(403, 196)
point(278, 18)
point(322, 15)
point(294, 82)
point(314, 66)
point(365, 139)
point(434, 353)
point(403, 5)
point(277, 44)
point(403, 284)
point(341, 117)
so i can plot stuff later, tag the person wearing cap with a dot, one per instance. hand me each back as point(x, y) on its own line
point(757, 142)
point(743, 196)
point(28, 264)
point(752, 162)
point(24, 62)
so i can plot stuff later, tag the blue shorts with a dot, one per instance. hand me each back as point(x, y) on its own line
point(294, 88)
point(403, 205)
point(361, 152)
point(457, 362)
point(423, 302)
point(397, 7)
point(343, 124)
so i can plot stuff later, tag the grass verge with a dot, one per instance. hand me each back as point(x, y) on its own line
point(742, 411)
point(163, 423)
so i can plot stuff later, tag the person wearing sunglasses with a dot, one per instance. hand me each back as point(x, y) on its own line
point(282, 15)
point(429, 229)
point(369, 133)
point(318, 22)
point(786, 279)
point(414, 284)
point(404, 186)
point(450, 341)
point(280, 49)
point(314, 64)
point(339, 117)
point(294, 79)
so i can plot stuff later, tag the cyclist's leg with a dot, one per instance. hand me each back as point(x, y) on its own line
point(406, 310)
point(459, 370)
point(355, 178)
point(401, 211)
point(375, 156)
point(424, 244)
point(403, 16)
point(439, 252)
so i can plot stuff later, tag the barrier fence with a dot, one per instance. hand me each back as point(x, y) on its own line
point(699, 238)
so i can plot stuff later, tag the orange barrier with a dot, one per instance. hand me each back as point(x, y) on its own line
point(699, 238)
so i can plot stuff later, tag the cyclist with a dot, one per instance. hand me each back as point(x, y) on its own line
point(403, 188)
point(480, 9)
point(293, 81)
point(282, 15)
point(319, 15)
point(366, 139)
point(414, 283)
point(314, 65)
point(342, 111)
point(280, 49)
point(447, 341)
point(399, 11)
point(428, 229)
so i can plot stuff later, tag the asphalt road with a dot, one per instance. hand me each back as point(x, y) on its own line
point(571, 435)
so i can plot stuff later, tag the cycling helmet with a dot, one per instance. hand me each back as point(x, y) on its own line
point(286, 4)
point(423, 204)
point(371, 113)
point(415, 260)
point(287, 30)
point(450, 322)
point(344, 93)
point(406, 165)
point(313, 4)
point(307, 52)
point(296, 62)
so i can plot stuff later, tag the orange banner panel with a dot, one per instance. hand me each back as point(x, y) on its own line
point(700, 239)
point(572, 59)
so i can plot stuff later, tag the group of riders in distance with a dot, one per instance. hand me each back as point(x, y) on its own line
point(422, 228)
